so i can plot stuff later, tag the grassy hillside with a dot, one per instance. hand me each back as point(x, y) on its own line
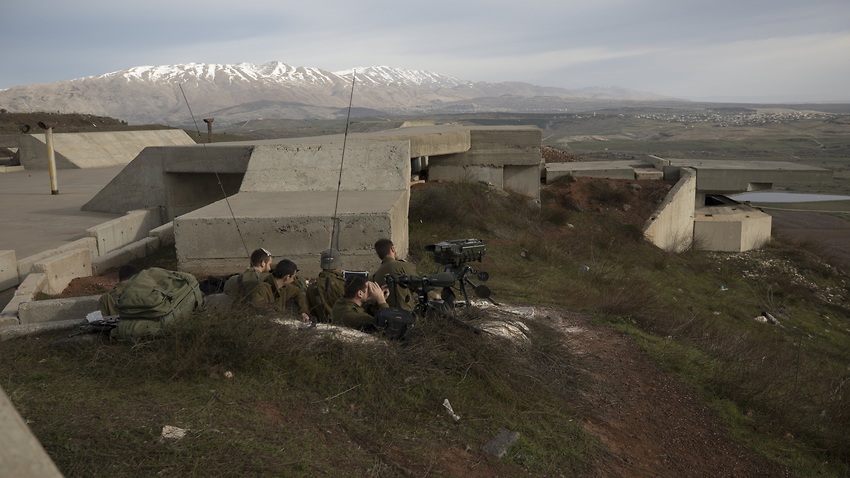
point(298, 404)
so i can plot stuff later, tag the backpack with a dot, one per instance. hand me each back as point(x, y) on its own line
point(153, 298)
point(322, 294)
point(395, 323)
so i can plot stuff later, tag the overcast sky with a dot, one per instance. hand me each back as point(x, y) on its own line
point(744, 50)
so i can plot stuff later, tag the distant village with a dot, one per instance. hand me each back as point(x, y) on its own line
point(738, 118)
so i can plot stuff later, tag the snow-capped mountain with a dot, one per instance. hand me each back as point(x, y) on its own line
point(242, 91)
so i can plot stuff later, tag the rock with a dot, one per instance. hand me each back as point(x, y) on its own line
point(499, 445)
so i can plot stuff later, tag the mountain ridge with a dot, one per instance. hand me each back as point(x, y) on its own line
point(155, 94)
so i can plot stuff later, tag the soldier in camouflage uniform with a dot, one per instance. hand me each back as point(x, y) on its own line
point(400, 297)
point(242, 286)
point(348, 310)
point(278, 292)
point(328, 287)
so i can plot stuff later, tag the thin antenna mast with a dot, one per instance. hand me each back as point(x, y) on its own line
point(335, 229)
point(215, 171)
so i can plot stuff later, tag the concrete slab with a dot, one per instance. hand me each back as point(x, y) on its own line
point(593, 169)
point(127, 229)
point(95, 150)
point(71, 308)
point(33, 220)
point(424, 140)
point(735, 176)
point(737, 228)
point(287, 203)
point(25, 265)
point(164, 233)
point(33, 284)
point(125, 255)
point(368, 165)
point(293, 225)
point(61, 269)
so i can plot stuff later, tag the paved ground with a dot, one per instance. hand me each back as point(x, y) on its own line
point(33, 220)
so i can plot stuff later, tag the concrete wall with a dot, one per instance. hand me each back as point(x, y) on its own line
point(158, 172)
point(124, 230)
point(731, 229)
point(31, 285)
point(368, 165)
point(95, 150)
point(671, 227)
point(61, 269)
point(287, 202)
point(26, 265)
point(40, 311)
point(735, 176)
point(492, 149)
point(605, 169)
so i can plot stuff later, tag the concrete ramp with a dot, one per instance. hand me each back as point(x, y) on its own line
point(95, 150)
point(175, 179)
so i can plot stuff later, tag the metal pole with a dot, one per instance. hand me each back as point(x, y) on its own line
point(51, 157)
point(209, 122)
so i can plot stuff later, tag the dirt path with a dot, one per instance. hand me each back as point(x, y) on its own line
point(650, 424)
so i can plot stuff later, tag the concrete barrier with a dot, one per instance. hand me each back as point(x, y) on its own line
point(131, 227)
point(165, 233)
point(8, 270)
point(11, 332)
point(508, 157)
point(95, 149)
point(26, 264)
point(33, 284)
point(61, 269)
point(10, 169)
point(124, 255)
point(731, 228)
point(591, 169)
point(70, 308)
point(287, 203)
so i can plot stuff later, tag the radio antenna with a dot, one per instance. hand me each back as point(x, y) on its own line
point(217, 178)
point(335, 228)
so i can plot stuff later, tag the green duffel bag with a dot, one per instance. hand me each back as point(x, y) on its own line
point(154, 298)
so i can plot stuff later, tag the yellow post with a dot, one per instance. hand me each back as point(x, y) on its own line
point(51, 157)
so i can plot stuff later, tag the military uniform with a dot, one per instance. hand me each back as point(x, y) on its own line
point(108, 302)
point(348, 314)
point(401, 297)
point(289, 297)
point(293, 299)
point(324, 292)
point(241, 287)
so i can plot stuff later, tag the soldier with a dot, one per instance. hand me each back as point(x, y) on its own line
point(328, 287)
point(401, 297)
point(348, 310)
point(277, 291)
point(108, 302)
point(242, 286)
